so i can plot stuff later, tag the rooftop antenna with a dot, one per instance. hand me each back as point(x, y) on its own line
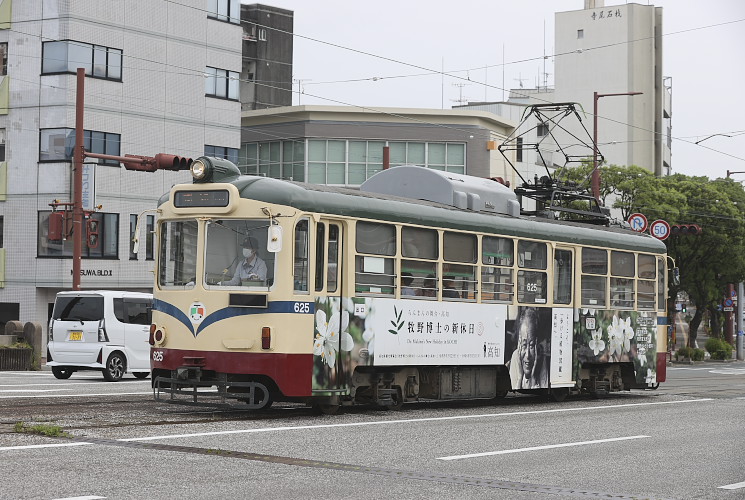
point(460, 100)
point(520, 79)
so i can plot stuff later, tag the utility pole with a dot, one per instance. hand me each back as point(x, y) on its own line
point(77, 161)
point(595, 171)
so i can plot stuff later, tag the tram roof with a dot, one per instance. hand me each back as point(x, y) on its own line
point(353, 203)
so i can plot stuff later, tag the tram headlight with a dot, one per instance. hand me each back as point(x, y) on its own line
point(199, 169)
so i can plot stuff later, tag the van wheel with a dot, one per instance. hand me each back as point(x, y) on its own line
point(141, 374)
point(115, 367)
point(61, 372)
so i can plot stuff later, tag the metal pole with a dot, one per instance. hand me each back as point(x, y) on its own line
point(740, 309)
point(77, 207)
point(595, 171)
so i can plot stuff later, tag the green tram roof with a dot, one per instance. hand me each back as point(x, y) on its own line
point(353, 203)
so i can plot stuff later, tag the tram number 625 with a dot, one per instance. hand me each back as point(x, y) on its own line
point(157, 355)
point(302, 307)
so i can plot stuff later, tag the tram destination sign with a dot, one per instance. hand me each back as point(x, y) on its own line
point(205, 198)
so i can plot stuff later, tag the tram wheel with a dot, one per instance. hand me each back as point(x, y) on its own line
point(61, 372)
point(327, 409)
point(559, 394)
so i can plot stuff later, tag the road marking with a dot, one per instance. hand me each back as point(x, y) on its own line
point(729, 371)
point(536, 448)
point(78, 395)
point(39, 446)
point(388, 422)
point(735, 486)
point(89, 497)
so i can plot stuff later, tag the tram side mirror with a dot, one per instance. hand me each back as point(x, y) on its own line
point(676, 276)
point(274, 239)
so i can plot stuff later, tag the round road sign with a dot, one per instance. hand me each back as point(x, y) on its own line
point(638, 222)
point(659, 229)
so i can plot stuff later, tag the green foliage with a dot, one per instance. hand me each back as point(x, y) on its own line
point(41, 429)
point(684, 352)
point(17, 345)
point(718, 348)
point(697, 354)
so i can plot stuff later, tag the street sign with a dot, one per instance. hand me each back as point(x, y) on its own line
point(728, 303)
point(638, 222)
point(659, 229)
point(728, 309)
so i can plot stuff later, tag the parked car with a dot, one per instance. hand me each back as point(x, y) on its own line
point(103, 330)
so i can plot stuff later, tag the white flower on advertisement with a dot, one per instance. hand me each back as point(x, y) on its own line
point(369, 336)
point(588, 311)
point(597, 343)
point(651, 376)
point(642, 359)
point(627, 331)
point(615, 337)
point(349, 305)
point(329, 336)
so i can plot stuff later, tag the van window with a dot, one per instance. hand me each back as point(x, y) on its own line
point(85, 308)
point(133, 311)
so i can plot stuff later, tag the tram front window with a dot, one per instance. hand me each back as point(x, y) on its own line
point(235, 254)
point(177, 265)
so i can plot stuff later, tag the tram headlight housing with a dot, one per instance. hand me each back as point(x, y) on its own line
point(199, 170)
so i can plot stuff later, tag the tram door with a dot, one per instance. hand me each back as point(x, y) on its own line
point(329, 373)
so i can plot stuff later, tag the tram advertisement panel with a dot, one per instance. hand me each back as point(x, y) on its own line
point(416, 332)
point(606, 336)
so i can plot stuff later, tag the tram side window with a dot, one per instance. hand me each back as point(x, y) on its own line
point(177, 265)
point(374, 269)
point(594, 272)
point(497, 257)
point(531, 285)
point(645, 285)
point(300, 263)
point(333, 259)
point(460, 252)
point(622, 270)
point(563, 271)
point(661, 287)
point(420, 251)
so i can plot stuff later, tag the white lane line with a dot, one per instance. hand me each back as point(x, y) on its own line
point(39, 446)
point(150, 393)
point(388, 422)
point(407, 421)
point(89, 497)
point(74, 383)
point(735, 486)
point(536, 448)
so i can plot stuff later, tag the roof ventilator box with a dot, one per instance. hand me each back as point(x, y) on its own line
point(459, 191)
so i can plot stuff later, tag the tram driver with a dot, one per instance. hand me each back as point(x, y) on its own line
point(251, 268)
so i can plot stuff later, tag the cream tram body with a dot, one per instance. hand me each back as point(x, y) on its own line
point(372, 298)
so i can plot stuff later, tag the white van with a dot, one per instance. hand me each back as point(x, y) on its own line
point(103, 330)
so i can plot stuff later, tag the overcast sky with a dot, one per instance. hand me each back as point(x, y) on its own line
point(393, 40)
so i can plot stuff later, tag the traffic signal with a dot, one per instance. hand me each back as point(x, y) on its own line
point(161, 161)
point(685, 229)
point(91, 233)
point(683, 308)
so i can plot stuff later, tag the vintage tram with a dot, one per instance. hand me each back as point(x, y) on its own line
point(419, 285)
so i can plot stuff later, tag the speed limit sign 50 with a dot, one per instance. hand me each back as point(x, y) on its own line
point(660, 229)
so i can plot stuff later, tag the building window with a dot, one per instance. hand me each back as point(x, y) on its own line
point(57, 144)
point(221, 83)
point(262, 34)
point(4, 56)
point(224, 10)
point(542, 129)
point(55, 238)
point(132, 227)
point(67, 56)
point(230, 154)
point(580, 34)
point(519, 151)
point(2, 144)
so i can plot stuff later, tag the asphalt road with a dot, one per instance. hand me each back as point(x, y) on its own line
point(682, 441)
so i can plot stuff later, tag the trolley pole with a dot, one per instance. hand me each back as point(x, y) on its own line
point(77, 207)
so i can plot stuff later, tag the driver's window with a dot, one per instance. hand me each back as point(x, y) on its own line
point(236, 256)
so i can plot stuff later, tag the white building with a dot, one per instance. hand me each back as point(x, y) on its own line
point(161, 76)
point(609, 50)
